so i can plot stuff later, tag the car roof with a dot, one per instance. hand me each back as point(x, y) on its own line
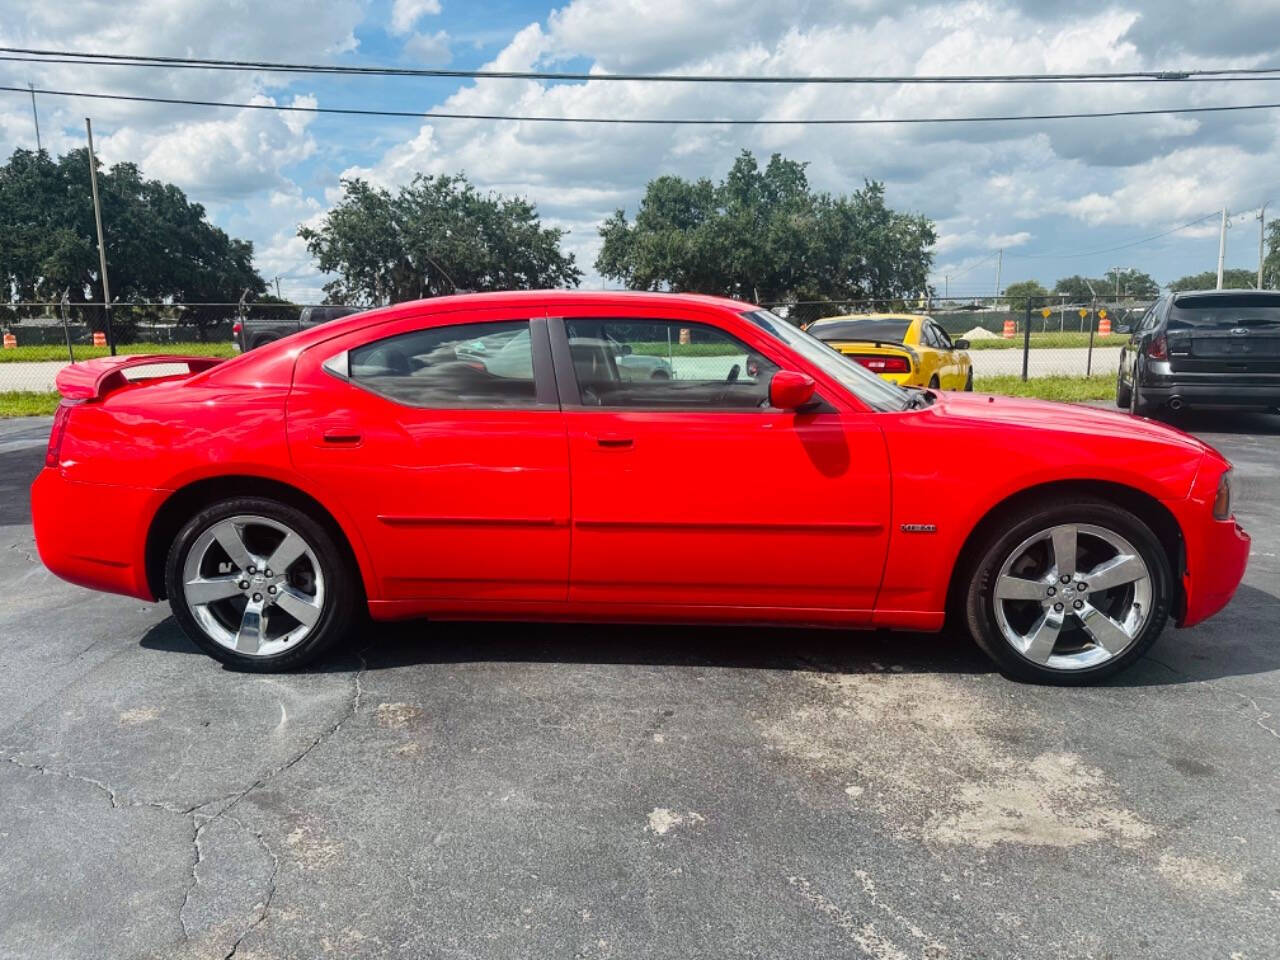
point(1235, 292)
point(874, 316)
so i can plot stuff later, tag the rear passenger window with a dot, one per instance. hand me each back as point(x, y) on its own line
point(666, 364)
point(463, 365)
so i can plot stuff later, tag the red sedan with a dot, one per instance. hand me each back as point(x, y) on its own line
point(621, 457)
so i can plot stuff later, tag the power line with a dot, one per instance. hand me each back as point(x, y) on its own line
point(37, 55)
point(1122, 246)
point(648, 121)
point(1087, 253)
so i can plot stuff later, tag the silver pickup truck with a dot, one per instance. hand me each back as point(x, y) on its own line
point(254, 331)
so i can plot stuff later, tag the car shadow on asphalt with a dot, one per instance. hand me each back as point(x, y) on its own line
point(1222, 421)
point(1192, 656)
point(386, 646)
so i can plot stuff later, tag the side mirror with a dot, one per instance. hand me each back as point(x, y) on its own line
point(789, 390)
point(961, 344)
point(626, 350)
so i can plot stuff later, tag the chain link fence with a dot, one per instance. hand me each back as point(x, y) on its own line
point(41, 338)
point(1051, 336)
point(1055, 336)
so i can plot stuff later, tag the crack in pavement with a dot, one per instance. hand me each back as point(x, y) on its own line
point(271, 891)
point(200, 822)
point(1261, 715)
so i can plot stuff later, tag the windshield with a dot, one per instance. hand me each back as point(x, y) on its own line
point(1224, 312)
point(869, 329)
point(866, 386)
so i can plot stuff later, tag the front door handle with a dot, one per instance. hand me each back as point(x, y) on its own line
point(614, 441)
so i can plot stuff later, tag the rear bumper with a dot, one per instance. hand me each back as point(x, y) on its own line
point(1213, 393)
point(93, 534)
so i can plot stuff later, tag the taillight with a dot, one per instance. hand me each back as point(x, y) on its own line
point(1158, 347)
point(885, 364)
point(237, 327)
point(60, 418)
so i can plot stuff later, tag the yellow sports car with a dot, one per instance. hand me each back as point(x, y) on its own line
point(909, 349)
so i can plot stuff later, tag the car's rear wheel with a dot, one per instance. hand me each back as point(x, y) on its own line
point(1069, 593)
point(968, 381)
point(933, 383)
point(259, 584)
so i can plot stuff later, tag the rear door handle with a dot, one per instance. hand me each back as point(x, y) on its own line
point(341, 436)
point(613, 441)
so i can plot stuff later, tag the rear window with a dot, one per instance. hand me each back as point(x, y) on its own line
point(894, 330)
point(1224, 312)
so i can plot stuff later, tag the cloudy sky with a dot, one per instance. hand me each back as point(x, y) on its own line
point(1049, 193)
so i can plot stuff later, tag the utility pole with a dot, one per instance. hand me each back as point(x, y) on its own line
point(1262, 229)
point(102, 250)
point(999, 265)
point(1222, 245)
point(34, 114)
point(278, 297)
point(946, 285)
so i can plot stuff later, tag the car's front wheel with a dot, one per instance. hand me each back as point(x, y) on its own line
point(259, 584)
point(1069, 592)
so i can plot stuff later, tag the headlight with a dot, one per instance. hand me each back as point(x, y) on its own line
point(1222, 502)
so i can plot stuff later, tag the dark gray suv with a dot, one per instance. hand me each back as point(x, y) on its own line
point(255, 331)
point(1207, 348)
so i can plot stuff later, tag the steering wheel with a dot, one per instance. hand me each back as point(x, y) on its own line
point(734, 371)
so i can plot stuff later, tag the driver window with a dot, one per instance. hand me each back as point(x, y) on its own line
point(666, 364)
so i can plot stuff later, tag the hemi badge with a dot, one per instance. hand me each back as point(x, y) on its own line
point(919, 528)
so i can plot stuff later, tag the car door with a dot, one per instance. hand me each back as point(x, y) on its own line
point(443, 438)
point(690, 490)
point(950, 376)
point(930, 361)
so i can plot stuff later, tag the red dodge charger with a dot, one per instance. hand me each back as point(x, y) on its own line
point(621, 457)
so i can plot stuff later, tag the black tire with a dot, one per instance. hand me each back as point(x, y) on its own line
point(933, 383)
point(263, 341)
point(968, 381)
point(340, 591)
point(1124, 394)
point(996, 546)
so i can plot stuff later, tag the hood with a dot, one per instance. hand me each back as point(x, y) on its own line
point(1068, 417)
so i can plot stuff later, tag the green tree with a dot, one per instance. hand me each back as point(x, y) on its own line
point(765, 235)
point(435, 236)
point(160, 245)
point(1231, 280)
point(1271, 265)
point(1077, 288)
point(1018, 294)
point(1134, 285)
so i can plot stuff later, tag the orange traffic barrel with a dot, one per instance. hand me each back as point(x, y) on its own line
point(1010, 329)
point(10, 341)
point(99, 339)
point(1104, 327)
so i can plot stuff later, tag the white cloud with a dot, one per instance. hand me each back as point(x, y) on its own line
point(405, 14)
point(428, 49)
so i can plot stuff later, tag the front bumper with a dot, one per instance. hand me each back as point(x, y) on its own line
point(1217, 552)
point(94, 534)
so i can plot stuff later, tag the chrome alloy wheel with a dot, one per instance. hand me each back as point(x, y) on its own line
point(253, 585)
point(1072, 596)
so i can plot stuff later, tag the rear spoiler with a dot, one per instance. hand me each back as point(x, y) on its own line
point(93, 379)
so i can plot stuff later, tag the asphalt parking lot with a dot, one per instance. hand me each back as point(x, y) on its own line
point(461, 791)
